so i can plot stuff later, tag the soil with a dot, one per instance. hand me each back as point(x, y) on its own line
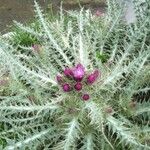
point(22, 10)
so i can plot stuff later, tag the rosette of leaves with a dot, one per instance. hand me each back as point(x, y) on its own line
point(35, 113)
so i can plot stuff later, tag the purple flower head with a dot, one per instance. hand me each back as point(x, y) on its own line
point(59, 78)
point(66, 87)
point(85, 97)
point(78, 86)
point(78, 72)
point(92, 77)
point(68, 72)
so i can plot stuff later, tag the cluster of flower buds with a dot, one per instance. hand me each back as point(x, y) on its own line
point(76, 78)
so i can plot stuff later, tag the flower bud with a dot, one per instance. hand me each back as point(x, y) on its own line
point(37, 48)
point(132, 104)
point(66, 87)
point(4, 82)
point(93, 77)
point(96, 73)
point(72, 110)
point(85, 97)
point(59, 78)
point(98, 13)
point(68, 72)
point(109, 110)
point(78, 86)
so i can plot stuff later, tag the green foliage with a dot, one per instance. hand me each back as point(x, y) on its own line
point(23, 38)
point(35, 113)
point(103, 57)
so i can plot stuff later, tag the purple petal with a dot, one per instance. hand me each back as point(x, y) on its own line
point(78, 72)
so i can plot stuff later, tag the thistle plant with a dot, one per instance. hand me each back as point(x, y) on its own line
point(80, 87)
